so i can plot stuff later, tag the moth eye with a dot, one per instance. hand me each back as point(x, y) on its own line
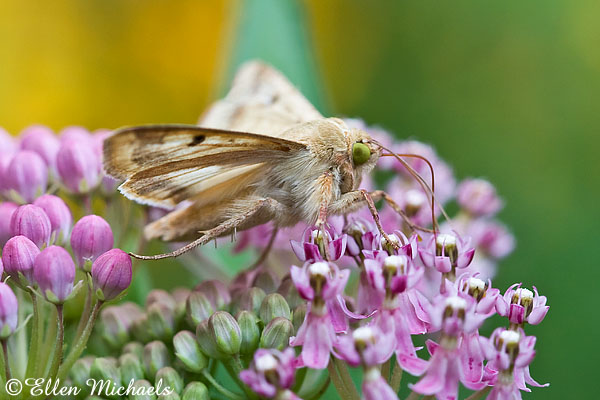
point(360, 153)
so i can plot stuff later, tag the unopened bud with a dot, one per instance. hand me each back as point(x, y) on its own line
point(155, 357)
point(143, 390)
point(59, 215)
point(274, 305)
point(105, 369)
point(248, 323)
point(249, 299)
point(225, 332)
point(289, 292)
point(198, 308)
point(298, 316)
point(111, 274)
point(80, 372)
point(276, 334)
point(161, 321)
point(31, 221)
point(91, 237)
point(18, 257)
point(170, 378)
point(130, 367)
point(195, 391)
point(206, 341)
point(187, 349)
point(135, 348)
point(216, 292)
point(267, 280)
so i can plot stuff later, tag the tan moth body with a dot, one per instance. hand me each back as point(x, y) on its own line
point(261, 154)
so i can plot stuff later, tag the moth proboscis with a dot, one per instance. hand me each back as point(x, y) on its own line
point(263, 153)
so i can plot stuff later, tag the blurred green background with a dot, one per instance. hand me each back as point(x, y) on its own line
point(505, 90)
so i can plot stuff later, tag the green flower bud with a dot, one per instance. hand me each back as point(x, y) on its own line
point(267, 280)
point(180, 296)
point(248, 323)
point(274, 305)
point(206, 341)
point(170, 396)
point(161, 321)
point(298, 316)
point(226, 332)
point(277, 334)
point(135, 348)
point(130, 367)
point(155, 357)
point(143, 390)
point(216, 292)
point(140, 329)
point(288, 290)
point(105, 369)
point(80, 372)
point(249, 299)
point(170, 378)
point(115, 323)
point(160, 296)
point(188, 351)
point(195, 391)
point(198, 308)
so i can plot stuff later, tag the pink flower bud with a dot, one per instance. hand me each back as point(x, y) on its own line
point(6, 211)
point(7, 143)
point(41, 140)
point(74, 133)
point(90, 238)
point(26, 176)
point(111, 274)
point(60, 217)
point(31, 221)
point(78, 165)
point(9, 308)
point(478, 197)
point(54, 272)
point(18, 256)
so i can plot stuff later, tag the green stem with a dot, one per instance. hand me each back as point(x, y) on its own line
point(48, 344)
point(21, 337)
point(7, 373)
point(227, 393)
point(32, 361)
point(85, 315)
point(413, 396)
point(479, 394)
point(58, 350)
point(386, 369)
point(81, 343)
point(337, 381)
point(234, 367)
point(346, 378)
point(396, 378)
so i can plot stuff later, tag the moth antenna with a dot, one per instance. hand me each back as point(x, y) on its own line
point(420, 180)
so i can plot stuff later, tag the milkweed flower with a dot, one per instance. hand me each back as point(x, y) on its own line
point(18, 257)
point(9, 308)
point(478, 197)
point(312, 247)
point(447, 252)
point(522, 306)
point(78, 165)
point(59, 215)
point(111, 274)
point(26, 176)
point(6, 211)
point(271, 374)
point(91, 237)
point(41, 140)
point(54, 272)
point(509, 353)
point(31, 221)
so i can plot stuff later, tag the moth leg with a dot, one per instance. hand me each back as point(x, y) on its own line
point(325, 193)
point(265, 253)
point(380, 194)
point(237, 220)
point(371, 204)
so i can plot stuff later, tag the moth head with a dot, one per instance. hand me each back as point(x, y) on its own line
point(363, 152)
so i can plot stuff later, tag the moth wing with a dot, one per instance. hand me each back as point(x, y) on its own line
point(261, 100)
point(163, 165)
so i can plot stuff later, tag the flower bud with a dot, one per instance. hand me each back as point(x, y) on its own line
point(135, 348)
point(169, 396)
point(75, 134)
point(288, 290)
point(276, 334)
point(31, 221)
point(6, 211)
point(170, 378)
point(78, 166)
point(249, 299)
point(9, 308)
point(188, 351)
point(161, 321)
point(111, 274)
point(140, 329)
point(180, 296)
point(226, 332)
point(248, 323)
point(54, 272)
point(80, 372)
point(160, 296)
point(195, 391)
point(116, 321)
point(298, 316)
point(478, 197)
point(18, 257)
point(130, 368)
point(216, 292)
point(274, 305)
point(8, 144)
point(41, 140)
point(90, 238)
point(143, 390)
point(105, 369)
point(267, 280)
point(26, 176)
point(198, 308)
point(155, 357)
point(59, 215)
point(206, 341)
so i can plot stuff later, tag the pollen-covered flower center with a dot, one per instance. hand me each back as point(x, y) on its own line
point(445, 245)
point(476, 288)
point(523, 297)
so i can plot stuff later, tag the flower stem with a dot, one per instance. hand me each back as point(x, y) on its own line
point(479, 394)
point(32, 357)
point(58, 350)
point(233, 365)
point(337, 381)
point(346, 379)
point(385, 370)
point(81, 343)
point(48, 343)
point(7, 373)
point(86, 309)
point(396, 377)
point(413, 396)
point(225, 392)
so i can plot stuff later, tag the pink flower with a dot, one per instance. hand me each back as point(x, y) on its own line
point(522, 305)
point(362, 235)
point(41, 140)
point(18, 256)
point(91, 237)
point(8, 311)
point(31, 221)
point(478, 197)
point(446, 252)
point(26, 176)
point(312, 247)
point(78, 164)
point(111, 274)
point(509, 353)
point(271, 373)
point(59, 215)
point(54, 272)
point(6, 211)
point(491, 237)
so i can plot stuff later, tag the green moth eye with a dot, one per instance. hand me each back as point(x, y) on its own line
point(360, 153)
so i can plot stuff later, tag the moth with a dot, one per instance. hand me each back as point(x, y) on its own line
point(263, 153)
